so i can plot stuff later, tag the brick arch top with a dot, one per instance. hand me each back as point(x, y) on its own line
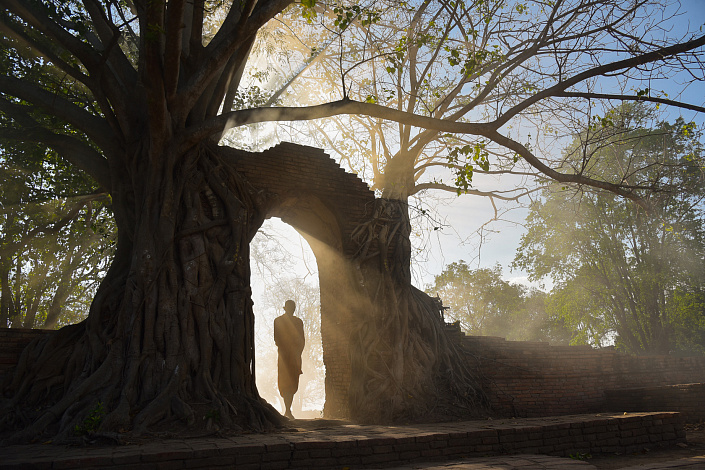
point(308, 190)
point(290, 176)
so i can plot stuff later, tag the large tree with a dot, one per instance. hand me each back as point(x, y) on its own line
point(137, 95)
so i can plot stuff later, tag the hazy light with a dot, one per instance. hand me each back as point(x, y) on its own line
point(284, 267)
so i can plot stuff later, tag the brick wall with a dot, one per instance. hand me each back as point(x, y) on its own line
point(687, 399)
point(528, 379)
point(12, 343)
point(291, 171)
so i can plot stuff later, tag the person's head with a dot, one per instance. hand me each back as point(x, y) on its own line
point(289, 306)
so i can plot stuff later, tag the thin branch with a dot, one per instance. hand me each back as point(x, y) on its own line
point(475, 192)
point(619, 189)
point(632, 62)
point(72, 149)
point(94, 127)
point(651, 99)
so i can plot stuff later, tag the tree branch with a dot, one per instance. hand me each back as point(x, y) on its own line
point(229, 80)
point(19, 32)
point(653, 56)
point(218, 53)
point(651, 99)
point(474, 192)
point(173, 46)
point(152, 69)
point(71, 149)
point(40, 21)
point(94, 127)
point(109, 35)
point(334, 108)
point(116, 86)
point(621, 190)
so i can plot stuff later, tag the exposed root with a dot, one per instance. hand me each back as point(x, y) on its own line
point(404, 365)
point(169, 342)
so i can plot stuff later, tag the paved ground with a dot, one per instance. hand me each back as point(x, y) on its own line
point(321, 442)
point(545, 462)
point(509, 462)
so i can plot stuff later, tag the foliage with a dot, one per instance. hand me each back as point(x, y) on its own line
point(580, 456)
point(619, 272)
point(91, 423)
point(56, 237)
point(487, 305)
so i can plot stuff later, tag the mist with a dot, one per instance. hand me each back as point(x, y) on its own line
point(283, 267)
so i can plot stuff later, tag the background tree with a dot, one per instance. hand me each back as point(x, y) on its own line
point(138, 93)
point(56, 237)
point(459, 62)
point(487, 305)
point(617, 269)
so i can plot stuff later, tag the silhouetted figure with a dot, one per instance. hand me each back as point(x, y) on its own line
point(289, 337)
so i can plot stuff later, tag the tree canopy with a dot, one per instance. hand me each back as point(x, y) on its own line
point(617, 269)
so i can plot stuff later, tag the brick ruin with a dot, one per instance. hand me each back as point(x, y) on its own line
point(308, 190)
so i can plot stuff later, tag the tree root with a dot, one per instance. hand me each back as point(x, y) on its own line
point(169, 341)
point(404, 366)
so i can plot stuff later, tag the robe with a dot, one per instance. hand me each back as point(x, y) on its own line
point(290, 341)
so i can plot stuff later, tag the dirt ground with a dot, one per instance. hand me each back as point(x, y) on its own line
point(695, 435)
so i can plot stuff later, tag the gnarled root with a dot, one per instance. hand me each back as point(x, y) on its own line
point(404, 366)
point(169, 342)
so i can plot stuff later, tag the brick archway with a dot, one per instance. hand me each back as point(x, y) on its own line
point(309, 191)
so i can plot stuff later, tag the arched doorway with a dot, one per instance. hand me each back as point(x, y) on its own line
point(308, 190)
point(283, 267)
point(319, 227)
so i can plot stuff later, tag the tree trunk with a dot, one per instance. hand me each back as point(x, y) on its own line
point(58, 300)
point(5, 293)
point(32, 302)
point(170, 336)
point(404, 367)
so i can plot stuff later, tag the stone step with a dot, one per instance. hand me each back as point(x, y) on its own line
point(335, 444)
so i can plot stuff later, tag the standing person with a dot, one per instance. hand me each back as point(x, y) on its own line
point(289, 337)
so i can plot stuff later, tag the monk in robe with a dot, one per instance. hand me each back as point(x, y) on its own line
point(290, 341)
